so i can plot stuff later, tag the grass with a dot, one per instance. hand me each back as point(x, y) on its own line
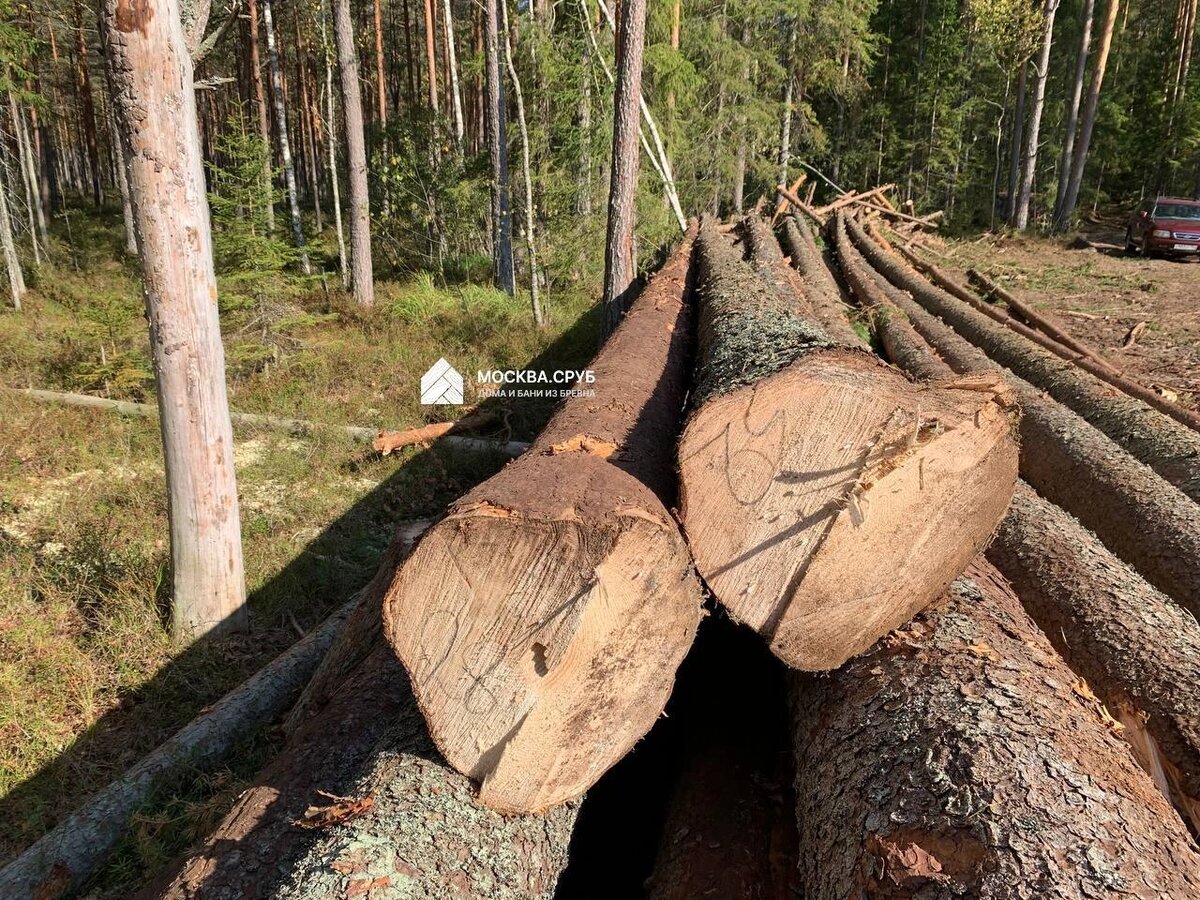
point(89, 679)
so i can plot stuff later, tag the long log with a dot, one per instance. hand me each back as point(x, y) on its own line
point(803, 207)
point(802, 459)
point(962, 758)
point(542, 620)
point(1168, 447)
point(360, 804)
point(826, 298)
point(1143, 519)
point(1139, 651)
point(767, 259)
point(68, 855)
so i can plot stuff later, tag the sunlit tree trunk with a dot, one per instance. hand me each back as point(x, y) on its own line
point(1029, 160)
point(33, 201)
point(87, 106)
point(331, 148)
point(1064, 163)
point(379, 76)
point(1018, 140)
point(452, 71)
point(497, 138)
point(361, 277)
point(151, 74)
point(12, 264)
point(264, 120)
point(620, 264)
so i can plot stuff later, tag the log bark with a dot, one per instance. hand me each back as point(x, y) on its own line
point(1137, 650)
point(66, 857)
point(542, 620)
point(418, 833)
point(824, 293)
point(1139, 516)
point(151, 75)
point(984, 772)
point(801, 453)
point(764, 255)
point(1171, 449)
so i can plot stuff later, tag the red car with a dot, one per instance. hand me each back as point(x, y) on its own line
point(1167, 225)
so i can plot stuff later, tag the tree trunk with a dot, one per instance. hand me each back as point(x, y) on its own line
point(131, 246)
point(150, 69)
point(539, 317)
point(1064, 163)
point(1029, 155)
point(264, 121)
point(497, 138)
point(797, 458)
point(823, 291)
point(307, 133)
point(536, 687)
point(331, 149)
point(620, 260)
point(361, 278)
point(12, 263)
point(380, 81)
point(29, 170)
point(285, 147)
point(1140, 517)
point(87, 106)
point(585, 129)
point(411, 826)
point(452, 69)
point(1138, 651)
point(982, 774)
point(1171, 449)
point(1088, 122)
point(1018, 137)
point(431, 59)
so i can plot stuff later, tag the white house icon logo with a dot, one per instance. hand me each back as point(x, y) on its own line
point(441, 384)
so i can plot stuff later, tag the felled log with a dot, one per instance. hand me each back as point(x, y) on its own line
point(1137, 650)
point(826, 298)
point(1143, 519)
point(67, 856)
point(801, 453)
point(360, 804)
point(767, 259)
point(542, 620)
point(800, 205)
point(1170, 448)
point(854, 197)
point(782, 204)
point(388, 442)
point(730, 825)
point(962, 758)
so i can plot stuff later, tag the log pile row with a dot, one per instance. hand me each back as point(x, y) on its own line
point(970, 571)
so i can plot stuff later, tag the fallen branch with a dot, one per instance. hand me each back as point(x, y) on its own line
point(64, 858)
point(272, 423)
point(781, 206)
point(799, 204)
point(387, 442)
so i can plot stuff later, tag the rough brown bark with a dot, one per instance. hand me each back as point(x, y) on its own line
point(802, 458)
point(983, 772)
point(543, 619)
point(620, 263)
point(422, 836)
point(1144, 520)
point(87, 104)
point(151, 75)
point(1171, 449)
point(361, 276)
point(827, 302)
point(764, 255)
point(380, 82)
point(1138, 651)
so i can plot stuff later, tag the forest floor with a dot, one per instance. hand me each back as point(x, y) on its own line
point(89, 679)
point(1100, 295)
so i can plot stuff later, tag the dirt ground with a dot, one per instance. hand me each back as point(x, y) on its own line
point(1099, 294)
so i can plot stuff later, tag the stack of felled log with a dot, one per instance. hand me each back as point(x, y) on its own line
point(974, 564)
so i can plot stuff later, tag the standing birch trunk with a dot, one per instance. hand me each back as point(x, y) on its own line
point(620, 265)
point(502, 259)
point(1064, 164)
point(539, 318)
point(151, 75)
point(1088, 121)
point(1029, 156)
point(361, 277)
point(285, 147)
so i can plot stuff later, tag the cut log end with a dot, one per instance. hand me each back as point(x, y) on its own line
point(829, 502)
point(542, 643)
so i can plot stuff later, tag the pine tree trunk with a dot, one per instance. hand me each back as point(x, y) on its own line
point(264, 121)
point(12, 263)
point(380, 82)
point(1168, 447)
point(497, 138)
point(452, 68)
point(362, 277)
point(620, 262)
point(1088, 121)
point(982, 773)
point(1018, 137)
point(1064, 163)
point(87, 106)
point(535, 687)
point(1029, 156)
point(539, 317)
point(151, 69)
point(285, 146)
point(131, 247)
point(801, 457)
point(29, 169)
point(431, 59)
point(307, 134)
